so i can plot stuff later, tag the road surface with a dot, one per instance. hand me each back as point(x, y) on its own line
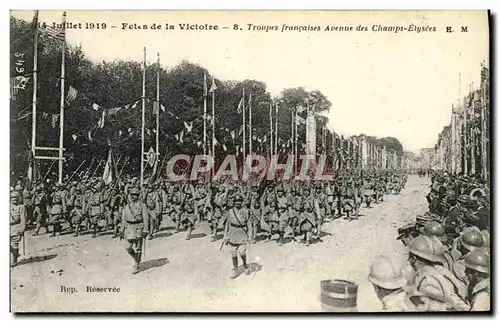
point(180, 276)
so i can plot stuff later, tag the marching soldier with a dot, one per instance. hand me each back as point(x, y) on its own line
point(77, 217)
point(58, 210)
point(17, 225)
point(135, 226)
point(255, 212)
point(283, 208)
point(320, 201)
point(308, 218)
point(190, 211)
point(115, 205)
point(154, 206)
point(28, 203)
point(40, 204)
point(95, 207)
point(219, 208)
point(236, 234)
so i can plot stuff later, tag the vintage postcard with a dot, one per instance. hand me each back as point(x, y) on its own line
point(250, 161)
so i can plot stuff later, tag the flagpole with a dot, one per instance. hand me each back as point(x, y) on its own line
point(61, 113)
point(143, 115)
point(205, 114)
point(295, 139)
point(271, 126)
point(292, 136)
point(276, 128)
point(250, 124)
point(35, 82)
point(244, 127)
point(158, 110)
point(213, 125)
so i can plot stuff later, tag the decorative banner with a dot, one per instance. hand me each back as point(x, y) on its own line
point(151, 157)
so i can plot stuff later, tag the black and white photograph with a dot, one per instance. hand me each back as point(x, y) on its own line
point(296, 161)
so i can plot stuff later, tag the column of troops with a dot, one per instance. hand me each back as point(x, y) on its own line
point(248, 211)
point(447, 267)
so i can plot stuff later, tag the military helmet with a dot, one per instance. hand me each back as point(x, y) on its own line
point(433, 228)
point(134, 191)
point(18, 187)
point(427, 248)
point(478, 260)
point(471, 238)
point(238, 197)
point(387, 272)
point(14, 194)
point(486, 238)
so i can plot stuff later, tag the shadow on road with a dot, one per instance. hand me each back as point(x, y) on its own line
point(161, 235)
point(152, 263)
point(36, 259)
point(198, 235)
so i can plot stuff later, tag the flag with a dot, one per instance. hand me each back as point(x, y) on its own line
point(300, 120)
point(162, 108)
point(300, 109)
point(55, 117)
point(71, 96)
point(240, 106)
point(110, 174)
point(213, 87)
point(188, 126)
point(95, 107)
point(224, 147)
point(120, 133)
point(232, 134)
point(156, 108)
point(59, 32)
point(74, 136)
point(135, 104)
point(33, 171)
point(114, 110)
point(205, 89)
point(102, 119)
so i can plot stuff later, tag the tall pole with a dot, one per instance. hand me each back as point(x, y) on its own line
point(35, 82)
point(453, 143)
point(61, 113)
point(244, 127)
point(158, 110)
point(292, 126)
point(472, 133)
point(213, 123)
point(250, 124)
point(276, 128)
point(271, 127)
point(143, 115)
point(205, 94)
point(484, 153)
point(295, 143)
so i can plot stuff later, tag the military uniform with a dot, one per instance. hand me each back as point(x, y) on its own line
point(135, 226)
point(236, 233)
point(57, 211)
point(307, 220)
point(17, 226)
point(283, 206)
point(40, 204)
point(95, 209)
point(219, 207)
point(189, 214)
point(154, 205)
point(77, 216)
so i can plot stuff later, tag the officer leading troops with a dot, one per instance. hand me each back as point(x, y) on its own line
point(236, 234)
point(135, 226)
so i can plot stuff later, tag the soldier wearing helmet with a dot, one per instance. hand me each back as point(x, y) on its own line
point(95, 206)
point(135, 226)
point(77, 219)
point(58, 209)
point(219, 208)
point(236, 234)
point(433, 228)
point(255, 212)
point(190, 210)
point(270, 211)
point(387, 275)
point(283, 207)
point(307, 219)
point(432, 278)
point(470, 239)
point(17, 225)
point(40, 206)
point(477, 269)
point(154, 205)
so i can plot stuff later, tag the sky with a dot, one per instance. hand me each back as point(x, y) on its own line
point(379, 83)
